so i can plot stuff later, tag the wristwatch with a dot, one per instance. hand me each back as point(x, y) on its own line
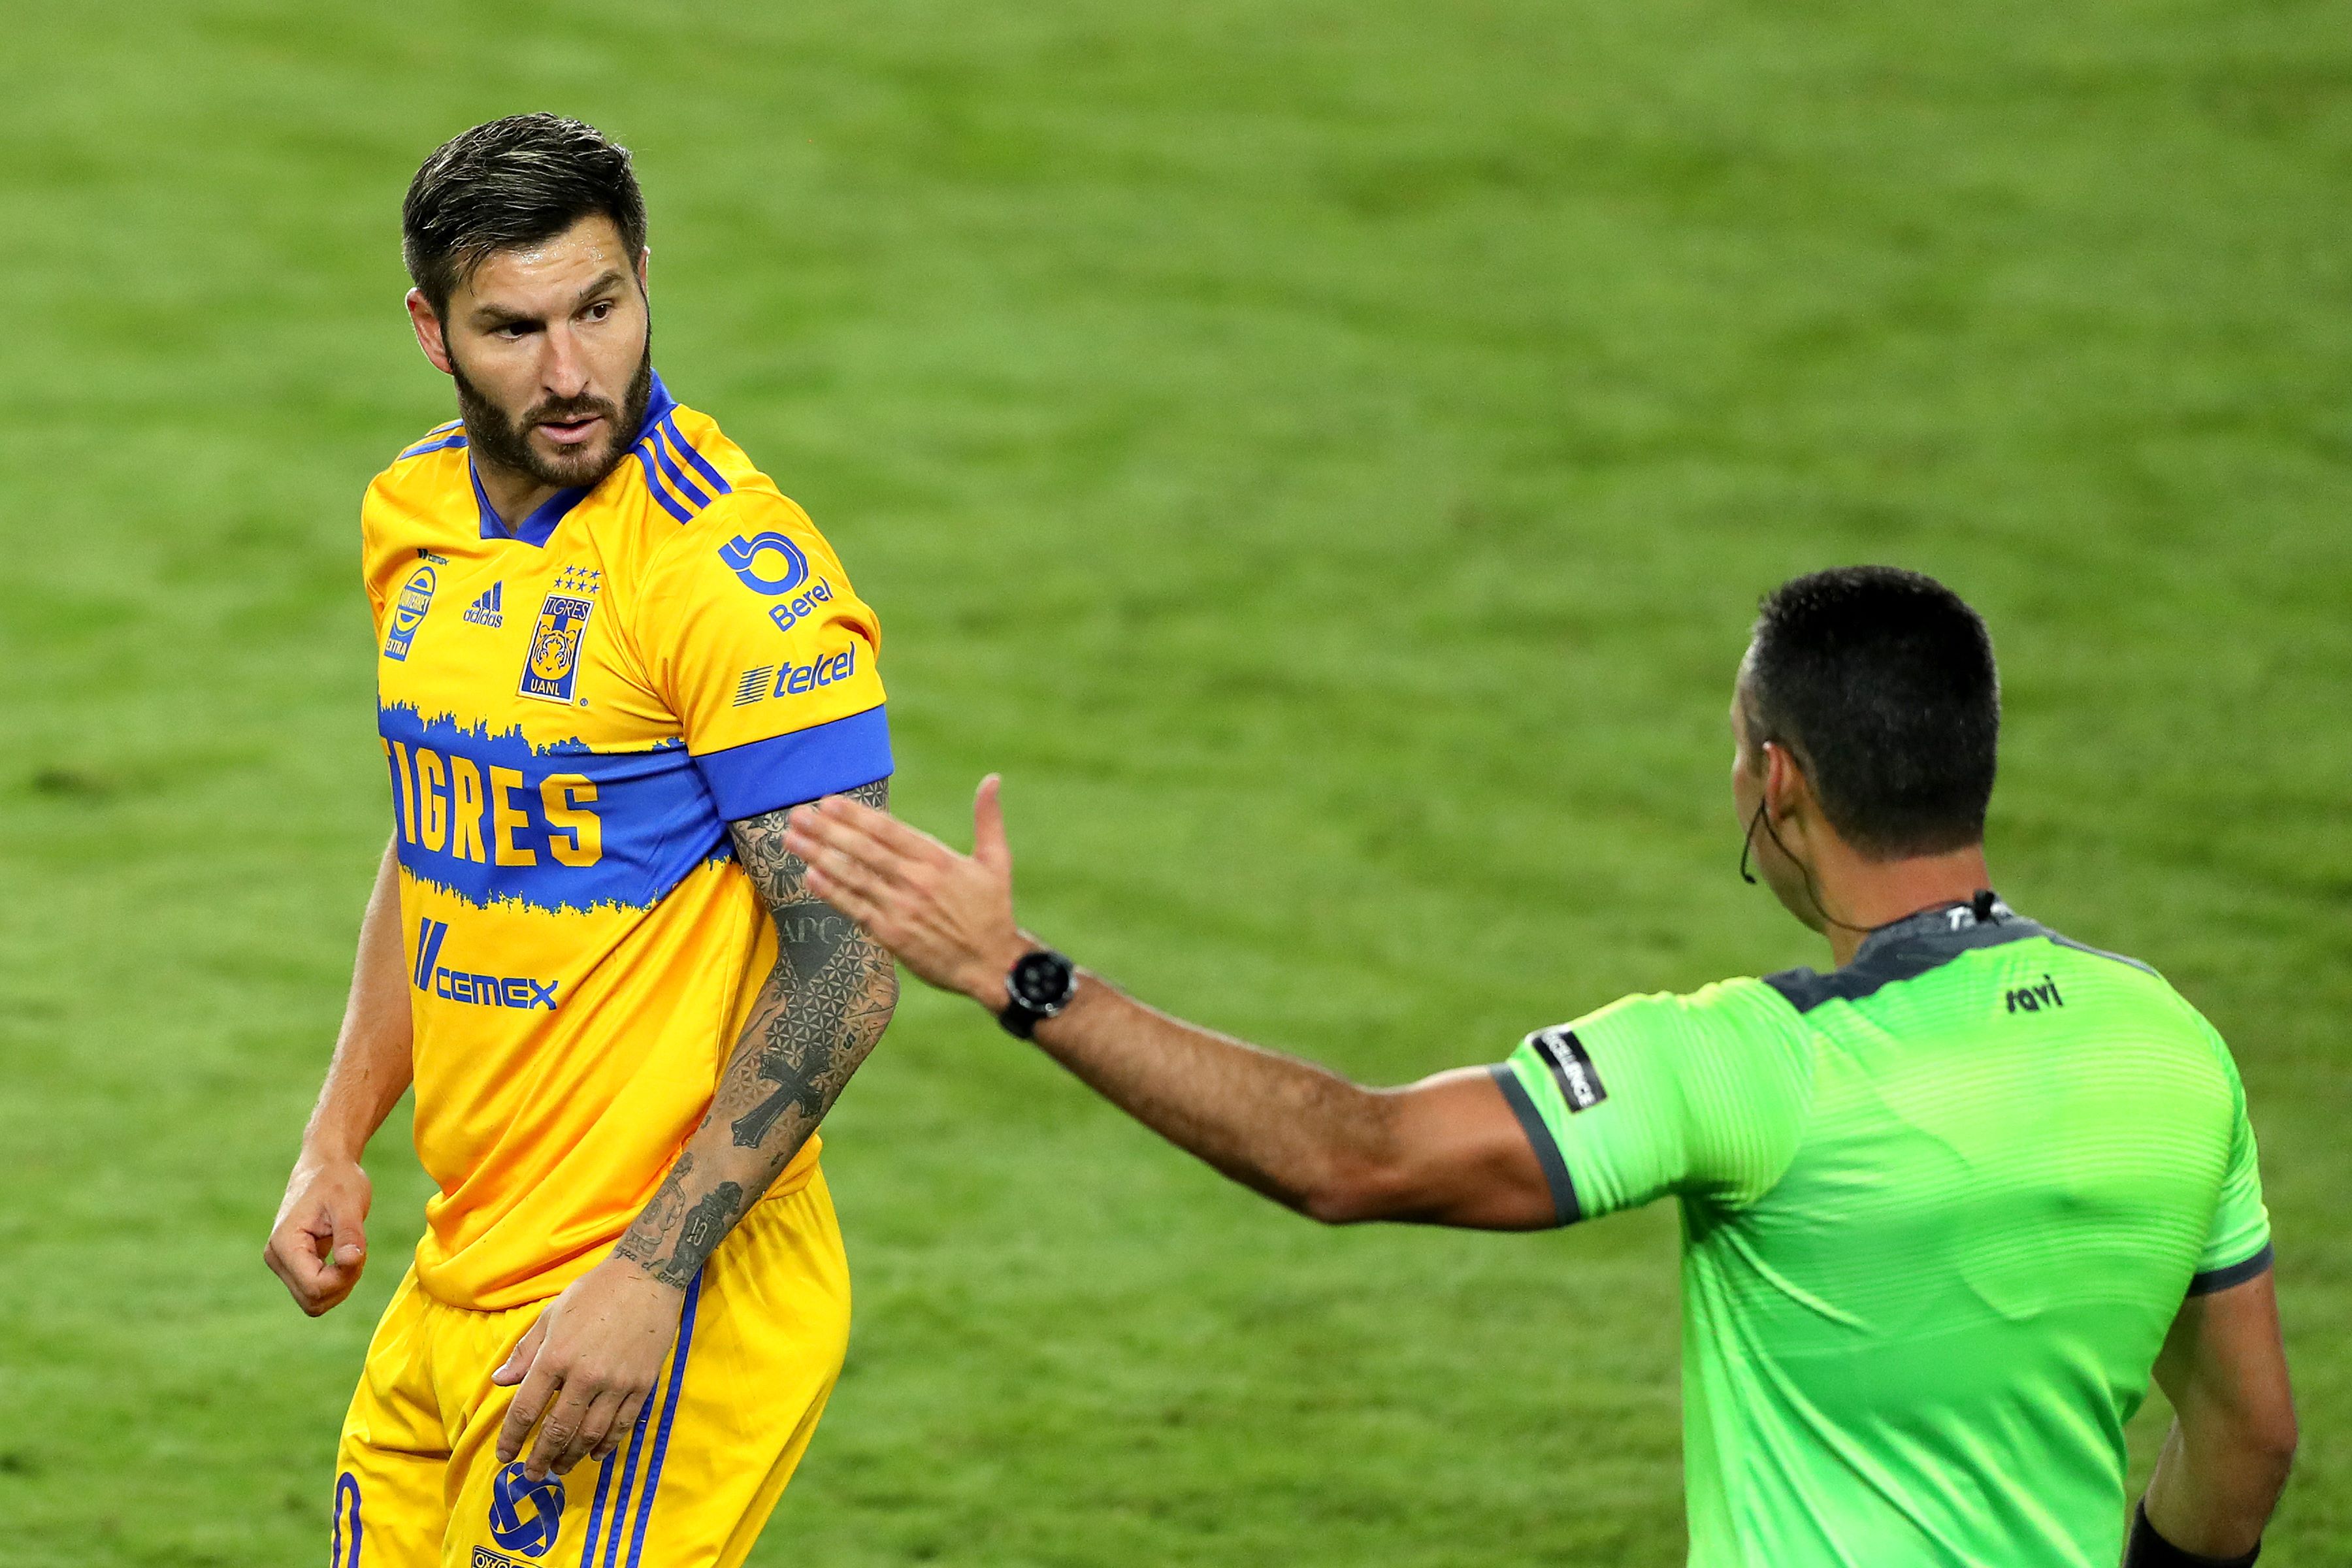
point(1039, 985)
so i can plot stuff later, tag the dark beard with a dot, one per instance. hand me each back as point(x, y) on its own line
point(505, 443)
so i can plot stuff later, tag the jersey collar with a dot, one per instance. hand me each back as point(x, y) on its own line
point(539, 526)
point(1927, 925)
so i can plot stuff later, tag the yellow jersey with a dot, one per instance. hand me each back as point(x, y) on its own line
point(572, 711)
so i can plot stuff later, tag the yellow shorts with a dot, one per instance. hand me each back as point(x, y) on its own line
point(760, 1342)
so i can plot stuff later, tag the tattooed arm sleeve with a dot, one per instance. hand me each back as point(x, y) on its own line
point(824, 1007)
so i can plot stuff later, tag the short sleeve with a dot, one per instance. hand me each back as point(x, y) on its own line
point(754, 637)
point(2238, 1243)
point(1702, 1095)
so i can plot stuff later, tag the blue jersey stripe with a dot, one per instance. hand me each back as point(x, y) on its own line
point(442, 444)
point(701, 464)
point(669, 1415)
point(628, 1484)
point(596, 1509)
point(654, 484)
point(350, 1483)
point(684, 485)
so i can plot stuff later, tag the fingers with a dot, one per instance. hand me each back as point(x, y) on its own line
point(300, 1253)
point(539, 1385)
point(623, 1420)
point(988, 842)
point(526, 1351)
point(597, 1424)
point(852, 900)
point(846, 852)
point(349, 1240)
point(558, 1433)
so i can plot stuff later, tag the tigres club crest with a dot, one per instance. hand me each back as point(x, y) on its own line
point(551, 668)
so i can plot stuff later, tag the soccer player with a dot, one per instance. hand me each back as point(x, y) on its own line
point(1944, 1207)
point(610, 655)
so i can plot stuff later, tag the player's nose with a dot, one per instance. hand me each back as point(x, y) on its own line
point(564, 376)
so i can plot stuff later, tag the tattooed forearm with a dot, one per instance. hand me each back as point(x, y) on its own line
point(822, 1012)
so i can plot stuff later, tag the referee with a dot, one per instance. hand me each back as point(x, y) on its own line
point(1945, 1207)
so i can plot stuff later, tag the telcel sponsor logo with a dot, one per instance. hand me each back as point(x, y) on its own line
point(479, 990)
point(798, 679)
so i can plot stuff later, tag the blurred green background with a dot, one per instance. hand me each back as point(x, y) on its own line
point(1326, 454)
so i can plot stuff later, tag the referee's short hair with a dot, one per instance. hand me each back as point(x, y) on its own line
point(511, 183)
point(1882, 682)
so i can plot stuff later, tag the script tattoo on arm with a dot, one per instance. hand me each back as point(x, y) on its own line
point(819, 1016)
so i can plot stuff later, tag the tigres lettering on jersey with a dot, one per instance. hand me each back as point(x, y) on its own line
point(572, 711)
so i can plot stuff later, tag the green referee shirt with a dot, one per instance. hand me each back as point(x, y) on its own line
point(1939, 1207)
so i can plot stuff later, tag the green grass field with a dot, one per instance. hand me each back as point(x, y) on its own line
point(1326, 454)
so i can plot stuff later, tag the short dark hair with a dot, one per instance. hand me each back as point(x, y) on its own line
point(510, 182)
point(1883, 683)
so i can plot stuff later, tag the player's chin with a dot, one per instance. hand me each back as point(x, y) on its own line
point(581, 463)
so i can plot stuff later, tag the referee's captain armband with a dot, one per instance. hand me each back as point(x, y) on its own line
point(1703, 1096)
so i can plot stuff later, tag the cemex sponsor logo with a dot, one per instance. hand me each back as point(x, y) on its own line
point(489, 609)
point(461, 985)
point(2033, 998)
point(1579, 1083)
point(794, 680)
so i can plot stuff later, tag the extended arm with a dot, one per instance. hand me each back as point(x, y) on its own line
point(589, 1361)
point(317, 1244)
point(1446, 1150)
point(2233, 1433)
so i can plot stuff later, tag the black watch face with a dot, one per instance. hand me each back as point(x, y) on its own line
point(1041, 980)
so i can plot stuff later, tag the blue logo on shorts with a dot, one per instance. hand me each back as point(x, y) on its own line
point(742, 556)
point(525, 1515)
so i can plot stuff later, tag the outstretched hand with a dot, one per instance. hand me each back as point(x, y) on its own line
point(946, 916)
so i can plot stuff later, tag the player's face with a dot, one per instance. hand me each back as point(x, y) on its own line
point(550, 346)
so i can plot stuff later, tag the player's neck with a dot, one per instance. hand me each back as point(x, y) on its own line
point(1865, 894)
point(512, 494)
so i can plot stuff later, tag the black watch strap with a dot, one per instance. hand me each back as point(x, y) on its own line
point(2150, 1549)
point(1039, 985)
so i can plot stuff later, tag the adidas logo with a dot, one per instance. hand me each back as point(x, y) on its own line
point(488, 610)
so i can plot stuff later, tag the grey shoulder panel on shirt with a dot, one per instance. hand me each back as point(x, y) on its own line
point(1806, 989)
point(1565, 1210)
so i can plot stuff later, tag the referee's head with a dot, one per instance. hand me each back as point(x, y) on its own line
point(1867, 715)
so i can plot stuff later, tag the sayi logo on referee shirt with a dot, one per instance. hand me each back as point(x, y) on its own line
point(1579, 1080)
point(772, 564)
point(408, 612)
point(552, 664)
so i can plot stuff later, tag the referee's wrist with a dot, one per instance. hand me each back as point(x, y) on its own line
point(2150, 1549)
point(988, 977)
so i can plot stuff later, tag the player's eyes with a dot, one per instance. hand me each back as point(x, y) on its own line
point(599, 311)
